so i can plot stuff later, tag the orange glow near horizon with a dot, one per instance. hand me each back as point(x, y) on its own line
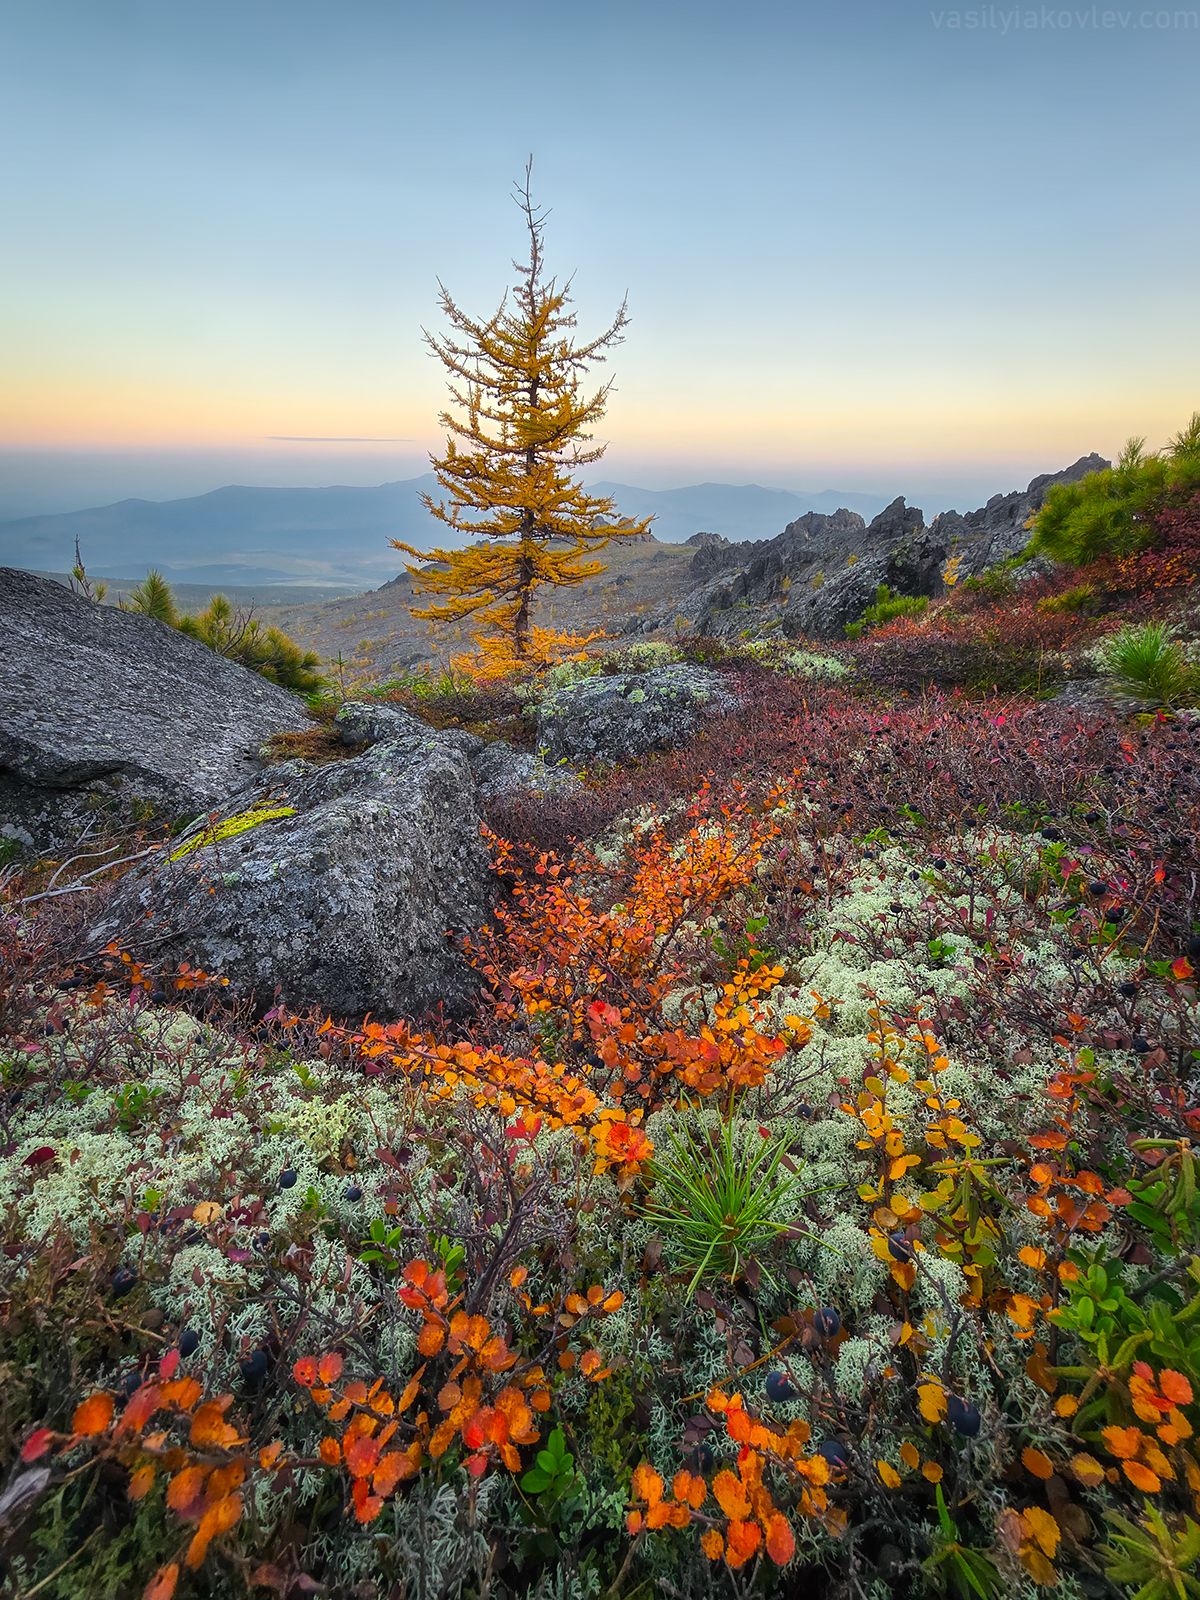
point(100, 416)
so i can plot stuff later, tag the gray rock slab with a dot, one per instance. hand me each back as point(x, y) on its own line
point(102, 701)
point(356, 903)
point(502, 772)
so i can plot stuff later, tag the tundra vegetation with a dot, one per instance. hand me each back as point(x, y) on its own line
point(809, 1204)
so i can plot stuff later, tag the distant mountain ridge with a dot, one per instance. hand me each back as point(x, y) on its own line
point(737, 511)
point(236, 533)
point(340, 534)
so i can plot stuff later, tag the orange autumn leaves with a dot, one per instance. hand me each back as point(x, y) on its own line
point(750, 1521)
point(753, 1519)
point(374, 1470)
point(1155, 1401)
point(205, 1477)
point(556, 956)
point(376, 1417)
point(492, 1423)
point(93, 1416)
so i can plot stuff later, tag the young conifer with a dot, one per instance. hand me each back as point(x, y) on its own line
point(153, 598)
point(521, 429)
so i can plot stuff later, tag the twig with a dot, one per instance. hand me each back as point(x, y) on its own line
point(620, 1577)
point(50, 1576)
point(84, 855)
point(50, 894)
point(1172, 1271)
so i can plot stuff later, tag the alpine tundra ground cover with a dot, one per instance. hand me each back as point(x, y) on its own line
point(810, 1205)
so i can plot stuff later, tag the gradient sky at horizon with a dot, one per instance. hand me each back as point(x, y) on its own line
point(863, 248)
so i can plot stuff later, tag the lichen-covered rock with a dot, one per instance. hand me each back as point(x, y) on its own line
point(364, 723)
point(913, 568)
point(608, 718)
point(355, 903)
point(103, 706)
point(502, 772)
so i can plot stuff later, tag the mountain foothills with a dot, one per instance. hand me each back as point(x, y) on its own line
point(711, 1113)
point(243, 535)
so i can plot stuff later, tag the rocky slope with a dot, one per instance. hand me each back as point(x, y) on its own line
point(822, 571)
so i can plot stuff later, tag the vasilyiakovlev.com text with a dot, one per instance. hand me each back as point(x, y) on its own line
point(1049, 20)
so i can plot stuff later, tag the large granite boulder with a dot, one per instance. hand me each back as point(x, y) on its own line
point(607, 718)
point(499, 770)
point(351, 898)
point(103, 707)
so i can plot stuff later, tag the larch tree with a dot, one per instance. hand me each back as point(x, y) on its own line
point(522, 426)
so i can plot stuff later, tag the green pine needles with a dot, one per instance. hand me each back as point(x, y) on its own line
point(1109, 513)
point(153, 597)
point(887, 608)
point(1145, 663)
point(237, 634)
point(1152, 1557)
point(721, 1199)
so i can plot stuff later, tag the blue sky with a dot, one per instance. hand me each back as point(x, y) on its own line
point(864, 248)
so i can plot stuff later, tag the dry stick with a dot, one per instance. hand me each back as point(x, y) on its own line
point(50, 894)
point(615, 1589)
point(742, 1371)
point(49, 1578)
point(85, 855)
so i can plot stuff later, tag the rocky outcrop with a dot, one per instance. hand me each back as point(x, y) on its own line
point(605, 719)
point(910, 563)
point(998, 531)
point(819, 574)
point(103, 707)
point(822, 571)
point(352, 897)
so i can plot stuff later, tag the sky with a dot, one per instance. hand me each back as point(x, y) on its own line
point(871, 246)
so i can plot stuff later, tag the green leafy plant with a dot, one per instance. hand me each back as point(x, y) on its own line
point(559, 1512)
point(960, 1567)
point(131, 1103)
point(1166, 1201)
point(734, 945)
point(384, 1246)
point(1145, 663)
point(554, 1475)
point(720, 1196)
point(1152, 1557)
point(453, 1258)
